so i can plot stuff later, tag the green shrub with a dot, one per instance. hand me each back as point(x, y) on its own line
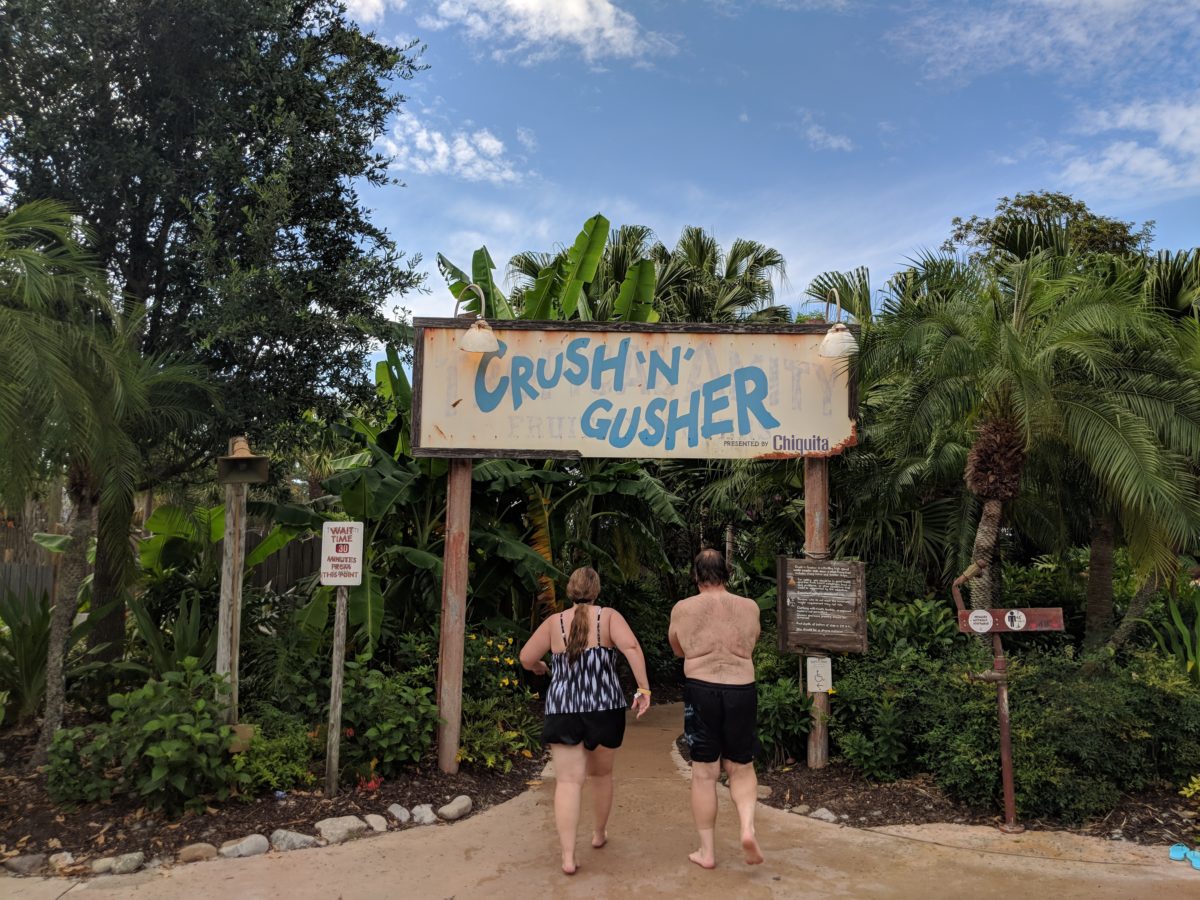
point(164, 743)
point(784, 720)
point(279, 762)
point(926, 625)
point(3, 705)
point(890, 580)
point(495, 732)
point(388, 721)
point(24, 642)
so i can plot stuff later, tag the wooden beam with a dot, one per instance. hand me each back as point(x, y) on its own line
point(333, 736)
point(229, 615)
point(454, 610)
point(816, 546)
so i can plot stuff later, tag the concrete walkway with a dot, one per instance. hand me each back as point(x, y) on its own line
point(512, 851)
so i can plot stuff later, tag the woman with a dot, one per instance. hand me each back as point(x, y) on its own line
point(585, 706)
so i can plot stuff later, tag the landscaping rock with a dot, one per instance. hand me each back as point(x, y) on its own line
point(423, 814)
point(802, 810)
point(456, 808)
point(282, 839)
point(764, 791)
point(824, 815)
point(377, 823)
point(197, 853)
point(103, 866)
point(399, 813)
point(342, 828)
point(60, 861)
point(251, 845)
point(25, 864)
point(128, 862)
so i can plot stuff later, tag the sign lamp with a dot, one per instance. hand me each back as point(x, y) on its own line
point(838, 342)
point(478, 338)
point(241, 466)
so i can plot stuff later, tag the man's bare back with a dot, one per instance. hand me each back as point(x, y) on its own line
point(715, 632)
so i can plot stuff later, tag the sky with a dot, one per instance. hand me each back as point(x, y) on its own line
point(841, 132)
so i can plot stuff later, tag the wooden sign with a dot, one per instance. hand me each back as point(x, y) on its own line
point(822, 605)
point(986, 621)
point(616, 389)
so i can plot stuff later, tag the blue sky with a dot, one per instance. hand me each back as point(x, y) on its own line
point(841, 132)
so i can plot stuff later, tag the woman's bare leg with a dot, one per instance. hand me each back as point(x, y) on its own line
point(570, 770)
point(704, 811)
point(743, 788)
point(599, 770)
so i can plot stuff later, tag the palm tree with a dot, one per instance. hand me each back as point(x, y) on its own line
point(698, 281)
point(1033, 359)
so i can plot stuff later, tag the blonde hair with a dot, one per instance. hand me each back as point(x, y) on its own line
point(583, 587)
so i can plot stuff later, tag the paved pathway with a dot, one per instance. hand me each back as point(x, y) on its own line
point(511, 851)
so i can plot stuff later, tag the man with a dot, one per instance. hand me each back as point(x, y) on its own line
point(715, 632)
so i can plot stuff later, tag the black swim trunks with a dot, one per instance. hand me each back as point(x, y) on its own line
point(605, 727)
point(719, 721)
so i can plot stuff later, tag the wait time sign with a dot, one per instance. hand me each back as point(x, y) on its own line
point(342, 553)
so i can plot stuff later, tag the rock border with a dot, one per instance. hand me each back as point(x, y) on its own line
point(330, 832)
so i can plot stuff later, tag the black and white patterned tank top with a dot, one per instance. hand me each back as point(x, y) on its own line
point(589, 684)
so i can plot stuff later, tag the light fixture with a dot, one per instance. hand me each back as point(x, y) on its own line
point(838, 342)
point(479, 337)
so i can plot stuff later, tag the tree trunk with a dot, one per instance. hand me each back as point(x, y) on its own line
point(1099, 610)
point(1137, 609)
point(985, 587)
point(113, 560)
point(72, 572)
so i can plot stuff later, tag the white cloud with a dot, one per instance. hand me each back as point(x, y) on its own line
point(820, 138)
point(743, 117)
point(534, 30)
point(470, 155)
point(527, 138)
point(370, 11)
point(1156, 147)
point(1125, 39)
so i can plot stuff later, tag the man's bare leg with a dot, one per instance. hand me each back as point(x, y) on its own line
point(743, 788)
point(704, 811)
point(570, 771)
point(599, 770)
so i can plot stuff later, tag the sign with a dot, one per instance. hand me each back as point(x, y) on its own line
point(819, 678)
point(984, 621)
point(822, 605)
point(587, 389)
point(342, 553)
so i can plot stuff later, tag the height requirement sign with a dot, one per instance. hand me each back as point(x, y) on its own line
point(646, 391)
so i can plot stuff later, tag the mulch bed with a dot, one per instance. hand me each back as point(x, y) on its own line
point(1153, 817)
point(31, 823)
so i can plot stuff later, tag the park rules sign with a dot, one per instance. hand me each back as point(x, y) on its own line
point(342, 553)
point(587, 389)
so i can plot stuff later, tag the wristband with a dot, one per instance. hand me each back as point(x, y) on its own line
point(645, 692)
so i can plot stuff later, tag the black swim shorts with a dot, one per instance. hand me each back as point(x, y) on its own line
point(593, 729)
point(719, 721)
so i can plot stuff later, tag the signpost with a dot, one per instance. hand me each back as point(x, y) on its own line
point(566, 390)
point(341, 566)
point(996, 622)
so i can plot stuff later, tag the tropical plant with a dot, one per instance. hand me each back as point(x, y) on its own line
point(1178, 639)
point(24, 638)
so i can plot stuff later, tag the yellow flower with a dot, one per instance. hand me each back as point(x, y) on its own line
point(503, 682)
point(489, 643)
point(471, 637)
point(482, 658)
point(495, 659)
point(832, 691)
point(527, 754)
point(508, 660)
point(510, 642)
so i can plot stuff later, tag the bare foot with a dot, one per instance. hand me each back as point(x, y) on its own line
point(750, 846)
point(599, 840)
point(704, 862)
point(569, 868)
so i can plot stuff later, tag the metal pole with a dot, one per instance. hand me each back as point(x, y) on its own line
point(229, 614)
point(454, 607)
point(1000, 667)
point(816, 546)
point(333, 738)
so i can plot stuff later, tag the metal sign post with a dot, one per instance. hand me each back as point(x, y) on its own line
point(341, 566)
point(996, 622)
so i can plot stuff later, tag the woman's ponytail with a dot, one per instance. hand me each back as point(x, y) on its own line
point(583, 587)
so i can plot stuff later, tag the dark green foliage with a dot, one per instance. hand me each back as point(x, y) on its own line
point(1179, 636)
point(925, 625)
point(879, 752)
point(164, 743)
point(649, 616)
point(24, 639)
point(182, 636)
point(495, 732)
point(784, 719)
point(388, 720)
point(280, 754)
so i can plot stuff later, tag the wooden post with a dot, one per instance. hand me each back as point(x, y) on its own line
point(816, 546)
point(333, 740)
point(229, 616)
point(454, 608)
